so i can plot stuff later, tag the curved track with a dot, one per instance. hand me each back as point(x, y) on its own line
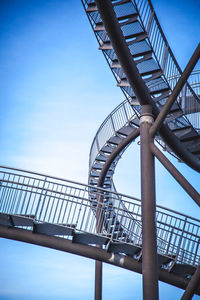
point(54, 207)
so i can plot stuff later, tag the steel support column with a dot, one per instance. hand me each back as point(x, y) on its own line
point(98, 280)
point(149, 240)
point(192, 285)
point(98, 264)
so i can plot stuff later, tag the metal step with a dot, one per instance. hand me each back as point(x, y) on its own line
point(163, 96)
point(91, 8)
point(183, 270)
point(53, 229)
point(89, 239)
point(116, 140)
point(126, 130)
point(22, 220)
point(107, 149)
point(97, 166)
point(138, 38)
point(106, 46)
point(127, 249)
point(191, 136)
point(5, 220)
point(101, 157)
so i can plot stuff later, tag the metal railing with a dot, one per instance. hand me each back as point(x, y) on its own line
point(162, 55)
point(49, 199)
point(117, 119)
point(166, 60)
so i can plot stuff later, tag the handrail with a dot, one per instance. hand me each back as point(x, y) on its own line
point(118, 118)
point(66, 203)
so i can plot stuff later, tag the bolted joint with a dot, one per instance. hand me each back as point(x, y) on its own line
point(146, 118)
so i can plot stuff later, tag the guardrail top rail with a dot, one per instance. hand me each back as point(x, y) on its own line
point(49, 199)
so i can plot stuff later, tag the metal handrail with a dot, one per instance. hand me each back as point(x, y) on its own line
point(118, 118)
point(164, 55)
point(50, 199)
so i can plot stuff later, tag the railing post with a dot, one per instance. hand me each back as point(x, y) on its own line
point(113, 125)
point(37, 208)
point(98, 264)
point(180, 240)
point(149, 238)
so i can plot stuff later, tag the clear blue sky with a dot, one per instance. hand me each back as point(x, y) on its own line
point(56, 89)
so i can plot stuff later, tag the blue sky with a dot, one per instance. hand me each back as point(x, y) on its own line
point(56, 89)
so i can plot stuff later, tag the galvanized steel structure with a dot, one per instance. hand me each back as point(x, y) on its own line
point(163, 104)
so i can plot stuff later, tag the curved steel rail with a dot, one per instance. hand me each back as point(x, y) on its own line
point(146, 45)
point(58, 207)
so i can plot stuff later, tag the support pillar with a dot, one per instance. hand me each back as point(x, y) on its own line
point(98, 280)
point(192, 285)
point(98, 264)
point(149, 241)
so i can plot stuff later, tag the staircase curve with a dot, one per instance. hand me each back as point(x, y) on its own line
point(146, 45)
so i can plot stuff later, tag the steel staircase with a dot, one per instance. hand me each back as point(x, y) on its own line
point(57, 207)
point(157, 66)
point(95, 214)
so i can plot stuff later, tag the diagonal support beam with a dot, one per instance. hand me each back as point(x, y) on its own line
point(180, 84)
point(192, 285)
point(176, 174)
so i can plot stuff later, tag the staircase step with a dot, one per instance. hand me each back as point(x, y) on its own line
point(127, 249)
point(101, 157)
point(106, 46)
point(22, 220)
point(116, 140)
point(163, 96)
point(192, 135)
point(126, 130)
point(183, 270)
point(53, 229)
point(107, 149)
point(91, 8)
point(123, 83)
point(5, 220)
point(89, 239)
point(155, 75)
point(97, 166)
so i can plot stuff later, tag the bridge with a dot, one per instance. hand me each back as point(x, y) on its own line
point(162, 104)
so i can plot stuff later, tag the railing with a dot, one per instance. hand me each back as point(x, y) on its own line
point(187, 99)
point(167, 61)
point(49, 199)
point(118, 118)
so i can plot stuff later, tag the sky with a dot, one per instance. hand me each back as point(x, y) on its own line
point(55, 91)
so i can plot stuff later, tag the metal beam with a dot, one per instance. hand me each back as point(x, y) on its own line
point(137, 83)
point(176, 174)
point(149, 237)
point(192, 285)
point(123, 53)
point(180, 84)
point(118, 149)
point(92, 252)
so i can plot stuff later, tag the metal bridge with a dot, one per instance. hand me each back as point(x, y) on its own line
point(162, 104)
